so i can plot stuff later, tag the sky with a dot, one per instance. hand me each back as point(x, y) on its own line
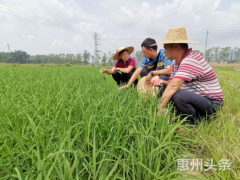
point(68, 25)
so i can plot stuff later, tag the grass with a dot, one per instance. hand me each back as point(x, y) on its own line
point(70, 123)
point(220, 138)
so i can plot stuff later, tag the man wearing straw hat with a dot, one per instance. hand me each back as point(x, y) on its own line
point(154, 64)
point(200, 94)
point(124, 64)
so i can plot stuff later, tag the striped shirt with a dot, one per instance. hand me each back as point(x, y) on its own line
point(198, 75)
point(163, 62)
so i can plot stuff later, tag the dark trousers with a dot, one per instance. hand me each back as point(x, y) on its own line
point(123, 78)
point(192, 106)
point(145, 72)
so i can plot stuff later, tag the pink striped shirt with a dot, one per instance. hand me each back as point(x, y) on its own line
point(198, 75)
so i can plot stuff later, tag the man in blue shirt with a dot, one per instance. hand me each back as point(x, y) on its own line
point(154, 63)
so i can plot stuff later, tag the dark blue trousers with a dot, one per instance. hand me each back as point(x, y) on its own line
point(193, 106)
point(123, 78)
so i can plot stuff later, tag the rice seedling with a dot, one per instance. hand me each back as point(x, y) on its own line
point(70, 123)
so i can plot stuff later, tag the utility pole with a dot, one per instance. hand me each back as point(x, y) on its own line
point(8, 52)
point(206, 47)
point(8, 47)
point(97, 49)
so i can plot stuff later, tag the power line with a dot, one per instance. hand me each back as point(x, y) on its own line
point(114, 44)
point(34, 17)
point(134, 38)
point(137, 38)
point(109, 43)
point(10, 8)
point(41, 20)
point(226, 30)
point(152, 34)
point(46, 23)
point(188, 33)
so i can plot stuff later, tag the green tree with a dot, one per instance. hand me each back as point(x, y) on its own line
point(19, 57)
point(237, 54)
point(224, 53)
point(79, 58)
point(209, 55)
point(139, 57)
point(216, 53)
point(104, 59)
point(110, 59)
point(86, 57)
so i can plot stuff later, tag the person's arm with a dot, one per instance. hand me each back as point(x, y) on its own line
point(111, 71)
point(161, 72)
point(170, 90)
point(157, 73)
point(132, 79)
point(187, 71)
point(125, 70)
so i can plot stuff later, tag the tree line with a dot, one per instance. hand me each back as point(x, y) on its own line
point(226, 54)
point(84, 58)
point(214, 54)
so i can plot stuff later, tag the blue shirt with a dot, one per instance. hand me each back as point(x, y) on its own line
point(163, 62)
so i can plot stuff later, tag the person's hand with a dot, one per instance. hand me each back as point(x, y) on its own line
point(157, 82)
point(123, 87)
point(103, 70)
point(149, 77)
point(117, 69)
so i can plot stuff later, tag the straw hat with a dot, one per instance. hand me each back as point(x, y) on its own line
point(147, 89)
point(129, 49)
point(176, 35)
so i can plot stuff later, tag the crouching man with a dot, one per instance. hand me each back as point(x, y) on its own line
point(155, 63)
point(200, 94)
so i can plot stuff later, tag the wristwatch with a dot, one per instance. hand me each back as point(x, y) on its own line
point(151, 72)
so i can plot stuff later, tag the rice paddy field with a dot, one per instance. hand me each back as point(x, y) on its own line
point(71, 123)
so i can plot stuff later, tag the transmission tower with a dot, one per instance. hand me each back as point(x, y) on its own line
point(97, 51)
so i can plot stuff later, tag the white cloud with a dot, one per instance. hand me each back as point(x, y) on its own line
point(61, 43)
point(126, 11)
point(30, 39)
point(76, 41)
point(114, 18)
point(90, 27)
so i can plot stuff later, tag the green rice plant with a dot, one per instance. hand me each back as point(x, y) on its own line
point(69, 123)
point(220, 137)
